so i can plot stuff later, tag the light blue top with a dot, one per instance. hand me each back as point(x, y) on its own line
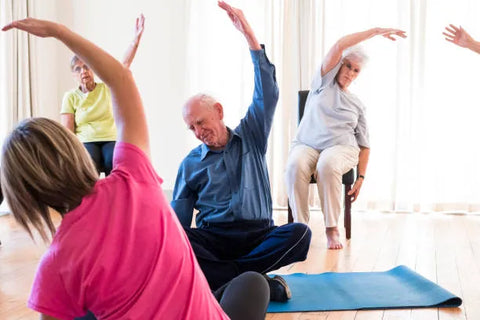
point(332, 116)
point(232, 184)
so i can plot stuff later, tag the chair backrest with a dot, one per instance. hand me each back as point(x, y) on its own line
point(302, 99)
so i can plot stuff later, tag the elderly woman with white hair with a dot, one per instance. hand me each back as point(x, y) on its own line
point(333, 135)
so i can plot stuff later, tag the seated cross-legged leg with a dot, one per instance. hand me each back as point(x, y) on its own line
point(279, 247)
point(223, 254)
point(299, 169)
point(332, 164)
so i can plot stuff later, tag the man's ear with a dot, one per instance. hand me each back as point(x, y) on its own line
point(219, 110)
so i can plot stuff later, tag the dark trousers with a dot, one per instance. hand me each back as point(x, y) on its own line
point(228, 250)
point(245, 297)
point(102, 155)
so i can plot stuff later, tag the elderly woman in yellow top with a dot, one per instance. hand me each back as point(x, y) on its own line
point(87, 110)
point(333, 134)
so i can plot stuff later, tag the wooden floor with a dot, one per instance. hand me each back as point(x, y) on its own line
point(443, 248)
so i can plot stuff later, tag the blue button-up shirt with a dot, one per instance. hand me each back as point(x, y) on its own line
point(232, 184)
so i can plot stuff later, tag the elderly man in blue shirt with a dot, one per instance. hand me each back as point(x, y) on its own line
point(226, 180)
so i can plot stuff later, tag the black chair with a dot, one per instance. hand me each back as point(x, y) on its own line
point(347, 179)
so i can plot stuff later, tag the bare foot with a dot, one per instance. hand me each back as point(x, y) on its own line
point(333, 238)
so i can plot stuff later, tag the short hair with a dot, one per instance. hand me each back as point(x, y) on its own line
point(44, 166)
point(74, 60)
point(357, 54)
point(203, 99)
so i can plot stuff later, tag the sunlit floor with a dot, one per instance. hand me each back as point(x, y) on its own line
point(443, 248)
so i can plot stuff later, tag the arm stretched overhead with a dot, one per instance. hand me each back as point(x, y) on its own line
point(335, 53)
point(127, 104)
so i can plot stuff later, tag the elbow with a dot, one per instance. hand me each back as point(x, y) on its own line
point(123, 77)
point(276, 94)
point(340, 45)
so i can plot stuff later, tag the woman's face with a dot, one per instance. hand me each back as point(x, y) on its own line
point(82, 73)
point(348, 72)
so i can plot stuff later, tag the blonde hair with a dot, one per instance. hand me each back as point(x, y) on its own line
point(44, 166)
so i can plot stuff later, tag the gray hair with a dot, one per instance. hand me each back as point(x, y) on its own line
point(74, 60)
point(357, 54)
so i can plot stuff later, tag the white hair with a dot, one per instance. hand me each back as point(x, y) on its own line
point(201, 99)
point(356, 54)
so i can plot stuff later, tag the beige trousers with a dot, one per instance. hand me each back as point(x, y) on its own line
point(328, 167)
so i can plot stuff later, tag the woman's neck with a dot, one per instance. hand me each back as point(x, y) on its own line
point(88, 87)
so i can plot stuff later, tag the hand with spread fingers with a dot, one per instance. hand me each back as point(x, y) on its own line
point(460, 37)
point(389, 33)
point(241, 23)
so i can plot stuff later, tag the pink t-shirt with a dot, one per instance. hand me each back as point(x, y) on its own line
point(123, 254)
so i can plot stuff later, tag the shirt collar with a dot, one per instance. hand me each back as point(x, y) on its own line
point(206, 149)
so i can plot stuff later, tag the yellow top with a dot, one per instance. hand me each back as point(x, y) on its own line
point(93, 113)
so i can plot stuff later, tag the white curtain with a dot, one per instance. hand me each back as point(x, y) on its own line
point(16, 68)
point(420, 93)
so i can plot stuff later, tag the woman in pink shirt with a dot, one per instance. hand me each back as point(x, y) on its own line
point(119, 251)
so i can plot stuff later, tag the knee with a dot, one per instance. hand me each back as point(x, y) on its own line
point(253, 282)
point(296, 170)
point(327, 170)
point(302, 234)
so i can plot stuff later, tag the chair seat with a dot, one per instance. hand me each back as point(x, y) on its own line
point(347, 179)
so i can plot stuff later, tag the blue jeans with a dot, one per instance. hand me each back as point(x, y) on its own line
point(102, 155)
point(227, 250)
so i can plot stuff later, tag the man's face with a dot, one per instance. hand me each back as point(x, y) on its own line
point(206, 122)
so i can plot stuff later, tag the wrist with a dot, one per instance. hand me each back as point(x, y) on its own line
point(59, 31)
point(361, 176)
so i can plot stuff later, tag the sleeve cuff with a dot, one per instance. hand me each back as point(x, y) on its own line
point(257, 55)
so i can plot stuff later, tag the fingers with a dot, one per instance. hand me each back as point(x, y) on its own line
point(8, 27)
point(11, 25)
point(354, 197)
point(232, 12)
point(391, 33)
point(388, 36)
point(448, 36)
point(453, 27)
point(225, 6)
point(450, 30)
point(19, 24)
point(353, 190)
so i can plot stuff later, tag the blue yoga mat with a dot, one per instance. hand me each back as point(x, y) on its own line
point(400, 287)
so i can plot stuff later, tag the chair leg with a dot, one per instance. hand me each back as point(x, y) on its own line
point(348, 212)
point(290, 215)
